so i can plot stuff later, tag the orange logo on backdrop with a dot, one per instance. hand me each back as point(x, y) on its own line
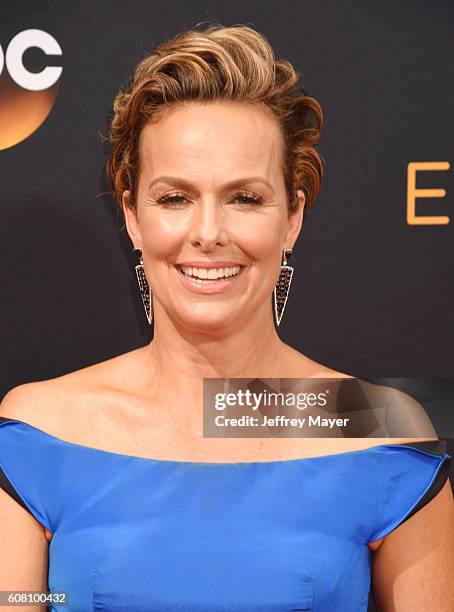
point(413, 193)
point(26, 98)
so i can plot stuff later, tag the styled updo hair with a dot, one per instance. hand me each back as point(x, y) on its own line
point(234, 63)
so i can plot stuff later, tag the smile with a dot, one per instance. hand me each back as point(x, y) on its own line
point(210, 273)
point(208, 280)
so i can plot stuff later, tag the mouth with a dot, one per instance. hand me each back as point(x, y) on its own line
point(209, 280)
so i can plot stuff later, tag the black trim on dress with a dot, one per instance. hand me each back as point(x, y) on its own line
point(5, 483)
point(435, 447)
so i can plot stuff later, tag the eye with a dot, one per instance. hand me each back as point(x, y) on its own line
point(175, 200)
point(248, 198)
point(171, 199)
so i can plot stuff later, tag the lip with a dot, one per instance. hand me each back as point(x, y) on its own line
point(209, 286)
point(209, 264)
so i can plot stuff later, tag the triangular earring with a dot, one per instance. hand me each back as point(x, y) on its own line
point(282, 287)
point(145, 291)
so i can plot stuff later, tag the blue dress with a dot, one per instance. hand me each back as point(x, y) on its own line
point(136, 534)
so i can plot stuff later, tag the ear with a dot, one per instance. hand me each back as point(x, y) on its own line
point(295, 222)
point(131, 220)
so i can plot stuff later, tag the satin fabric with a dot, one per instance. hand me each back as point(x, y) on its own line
point(152, 535)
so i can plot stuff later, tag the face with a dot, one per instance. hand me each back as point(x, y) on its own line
point(211, 214)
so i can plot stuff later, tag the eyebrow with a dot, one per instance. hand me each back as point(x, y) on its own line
point(177, 181)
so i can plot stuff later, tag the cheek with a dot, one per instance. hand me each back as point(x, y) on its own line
point(259, 238)
point(163, 234)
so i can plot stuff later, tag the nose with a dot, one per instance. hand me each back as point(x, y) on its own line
point(207, 227)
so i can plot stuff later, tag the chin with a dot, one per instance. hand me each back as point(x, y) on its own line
point(208, 324)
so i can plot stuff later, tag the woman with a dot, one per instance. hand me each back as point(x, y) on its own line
point(105, 474)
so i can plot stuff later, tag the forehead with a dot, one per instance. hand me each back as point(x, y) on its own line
point(212, 140)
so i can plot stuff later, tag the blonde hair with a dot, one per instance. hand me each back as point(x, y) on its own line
point(218, 63)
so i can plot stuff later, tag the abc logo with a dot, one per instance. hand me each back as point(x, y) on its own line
point(26, 98)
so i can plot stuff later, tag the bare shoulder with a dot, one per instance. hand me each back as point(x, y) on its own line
point(405, 415)
point(62, 403)
point(32, 402)
point(407, 421)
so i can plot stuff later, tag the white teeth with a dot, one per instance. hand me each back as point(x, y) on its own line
point(210, 273)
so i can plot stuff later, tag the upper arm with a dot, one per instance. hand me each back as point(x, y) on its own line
point(23, 542)
point(23, 550)
point(412, 570)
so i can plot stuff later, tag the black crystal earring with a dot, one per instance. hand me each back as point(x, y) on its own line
point(283, 286)
point(145, 291)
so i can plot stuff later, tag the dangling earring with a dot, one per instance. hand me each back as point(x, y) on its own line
point(145, 291)
point(282, 287)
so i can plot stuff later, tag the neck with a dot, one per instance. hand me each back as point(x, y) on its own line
point(251, 348)
point(178, 358)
